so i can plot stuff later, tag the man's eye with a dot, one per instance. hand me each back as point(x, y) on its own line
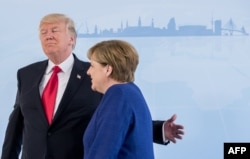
point(55, 30)
point(43, 32)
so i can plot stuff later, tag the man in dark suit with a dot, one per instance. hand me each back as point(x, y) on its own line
point(28, 129)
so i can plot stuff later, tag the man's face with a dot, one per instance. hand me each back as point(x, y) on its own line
point(55, 39)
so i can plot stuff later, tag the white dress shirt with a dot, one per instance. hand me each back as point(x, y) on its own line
point(63, 78)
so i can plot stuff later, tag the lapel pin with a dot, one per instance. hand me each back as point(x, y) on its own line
point(78, 76)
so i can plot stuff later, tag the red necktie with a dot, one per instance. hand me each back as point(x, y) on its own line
point(49, 94)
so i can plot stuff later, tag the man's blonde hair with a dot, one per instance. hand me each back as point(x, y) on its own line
point(57, 18)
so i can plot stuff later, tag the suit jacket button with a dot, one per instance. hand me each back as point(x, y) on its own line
point(49, 134)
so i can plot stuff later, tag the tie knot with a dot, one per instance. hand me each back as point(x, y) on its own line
point(56, 69)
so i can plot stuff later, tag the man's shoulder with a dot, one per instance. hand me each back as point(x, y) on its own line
point(78, 61)
point(34, 65)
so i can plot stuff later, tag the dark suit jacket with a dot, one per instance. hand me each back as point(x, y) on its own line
point(28, 129)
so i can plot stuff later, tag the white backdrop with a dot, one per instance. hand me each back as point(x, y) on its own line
point(203, 79)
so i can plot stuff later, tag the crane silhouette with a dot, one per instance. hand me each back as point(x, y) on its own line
point(231, 27)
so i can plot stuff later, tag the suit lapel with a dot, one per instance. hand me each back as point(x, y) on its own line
point(37, 77)
point(77, 74)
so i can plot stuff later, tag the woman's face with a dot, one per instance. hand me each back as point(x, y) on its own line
point(98, 75)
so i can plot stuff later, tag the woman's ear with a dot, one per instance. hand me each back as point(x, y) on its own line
point(109, 70)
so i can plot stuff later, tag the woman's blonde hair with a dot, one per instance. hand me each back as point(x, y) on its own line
point(118, 54)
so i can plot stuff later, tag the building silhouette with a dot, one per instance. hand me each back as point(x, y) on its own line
point(170, 30)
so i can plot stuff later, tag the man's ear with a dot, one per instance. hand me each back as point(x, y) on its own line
point(72, 42)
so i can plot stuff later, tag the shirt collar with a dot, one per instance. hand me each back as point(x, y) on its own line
point(65, 66)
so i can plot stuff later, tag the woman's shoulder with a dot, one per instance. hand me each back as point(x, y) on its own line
point(122, 87)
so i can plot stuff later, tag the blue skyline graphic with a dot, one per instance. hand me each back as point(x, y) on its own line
point(216, 29)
